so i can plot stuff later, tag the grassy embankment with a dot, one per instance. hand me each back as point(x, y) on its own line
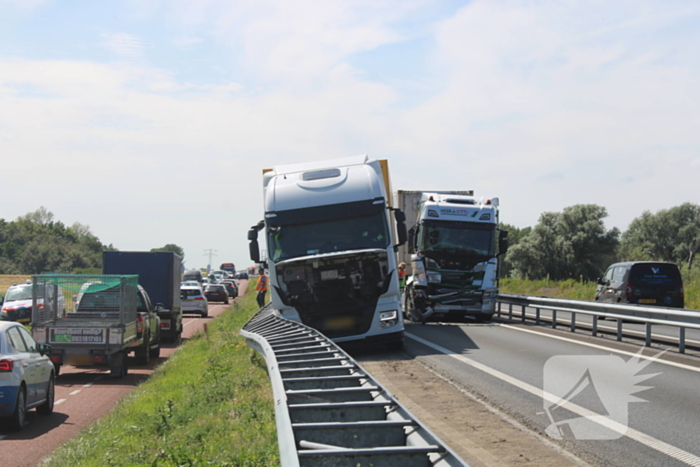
point(209, 404)
point(582, 290)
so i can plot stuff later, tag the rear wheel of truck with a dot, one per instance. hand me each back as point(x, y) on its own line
point(155, 351)
point(120, 366)
point(143, 354)
point(57, 368)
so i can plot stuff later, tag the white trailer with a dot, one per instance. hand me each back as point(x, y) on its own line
point(330, 248)
point(452, 254)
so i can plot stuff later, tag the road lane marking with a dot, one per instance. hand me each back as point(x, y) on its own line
point(602, 347)
point(631, 433)
point(75, 392)
point(60, 401)
point(88, 385)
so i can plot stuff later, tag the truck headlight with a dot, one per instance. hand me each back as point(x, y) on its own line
point(434, 277)
point(388, 318)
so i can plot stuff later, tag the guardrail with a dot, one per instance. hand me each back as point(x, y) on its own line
point(329, 411)
point(649, 316)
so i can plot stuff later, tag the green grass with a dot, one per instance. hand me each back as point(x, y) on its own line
point(585, 290)
point(210, 404)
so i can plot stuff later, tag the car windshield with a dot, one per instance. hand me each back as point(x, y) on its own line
point(462, 239)
point(19, 293)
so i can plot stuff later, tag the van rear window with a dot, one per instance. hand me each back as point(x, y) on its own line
point(655, 274)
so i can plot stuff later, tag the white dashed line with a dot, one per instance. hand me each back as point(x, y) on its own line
point(75, 392)
point(60, 401)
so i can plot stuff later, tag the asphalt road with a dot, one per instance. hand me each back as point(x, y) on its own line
point(511, 365)
point(83, 396)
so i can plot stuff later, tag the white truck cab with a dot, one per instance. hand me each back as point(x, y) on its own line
point(330, 248)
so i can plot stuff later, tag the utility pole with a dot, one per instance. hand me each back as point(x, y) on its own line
point(209, 252)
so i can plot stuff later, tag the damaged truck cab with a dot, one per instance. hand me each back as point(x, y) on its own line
point(330, 248)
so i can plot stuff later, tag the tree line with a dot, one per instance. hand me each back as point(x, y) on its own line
point(36, 243)
point(575, 244)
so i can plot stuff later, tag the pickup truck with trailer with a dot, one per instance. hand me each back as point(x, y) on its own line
point(109, 317)
point(159, 273)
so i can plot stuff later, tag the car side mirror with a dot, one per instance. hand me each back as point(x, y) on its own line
point(44, 349)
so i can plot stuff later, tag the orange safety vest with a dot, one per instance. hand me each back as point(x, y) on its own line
point(261, 286)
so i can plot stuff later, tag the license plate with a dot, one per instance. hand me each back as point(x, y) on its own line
point(340, 323)
point(647, 300)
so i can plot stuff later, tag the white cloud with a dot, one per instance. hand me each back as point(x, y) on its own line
point(124, 45)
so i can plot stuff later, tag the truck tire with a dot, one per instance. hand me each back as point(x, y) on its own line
point(57, 368)
point(121, 369)
point(154, 352)
point(143, 354)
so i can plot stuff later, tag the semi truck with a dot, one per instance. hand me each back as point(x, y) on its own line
point(451, 256)
point(331, 249)
point(159, 273)
point(108, 317)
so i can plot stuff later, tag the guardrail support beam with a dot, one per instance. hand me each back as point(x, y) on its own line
point(681, 340)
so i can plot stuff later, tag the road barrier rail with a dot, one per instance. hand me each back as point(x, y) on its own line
point(649, 316)
point(329, 411)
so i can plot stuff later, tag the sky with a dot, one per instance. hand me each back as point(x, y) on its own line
point(150, 121)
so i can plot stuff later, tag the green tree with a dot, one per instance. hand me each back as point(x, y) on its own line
point(669, 235)
point(515, 235)
point(570, 244)
point(174, 248)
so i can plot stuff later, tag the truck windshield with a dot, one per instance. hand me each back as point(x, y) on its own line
point(458, 238)
point(355, 233)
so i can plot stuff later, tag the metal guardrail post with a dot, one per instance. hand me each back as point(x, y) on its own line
point(499, 309)
point(537, 316)
point(681, 339)
point(619, 329)
point(647, 342)
point(594, 328)
point(510, 311)
point(554, 319)
point(329, 411)
point(573, 322)
point(522, 313)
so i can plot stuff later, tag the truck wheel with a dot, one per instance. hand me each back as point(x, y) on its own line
point(57, 368)
point(155, 351)
point(120, 368)
point(143, 354)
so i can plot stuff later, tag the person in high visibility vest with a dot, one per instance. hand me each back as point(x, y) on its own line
point(261, 287)
point(402, 275)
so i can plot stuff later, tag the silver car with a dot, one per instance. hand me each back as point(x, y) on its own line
point(26, 375)
point(193, 300)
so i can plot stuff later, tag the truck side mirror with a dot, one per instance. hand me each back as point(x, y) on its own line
point(412, 239)
point(502, 242)
point(253, 245)
point(400, 217)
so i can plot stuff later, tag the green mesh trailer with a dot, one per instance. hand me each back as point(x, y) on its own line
point(97, 322)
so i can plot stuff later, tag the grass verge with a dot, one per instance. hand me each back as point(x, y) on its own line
point(209, 404)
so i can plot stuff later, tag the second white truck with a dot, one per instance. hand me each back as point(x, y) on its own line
point(451, 256)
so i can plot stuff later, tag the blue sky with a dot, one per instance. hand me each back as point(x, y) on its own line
point(150, 120)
